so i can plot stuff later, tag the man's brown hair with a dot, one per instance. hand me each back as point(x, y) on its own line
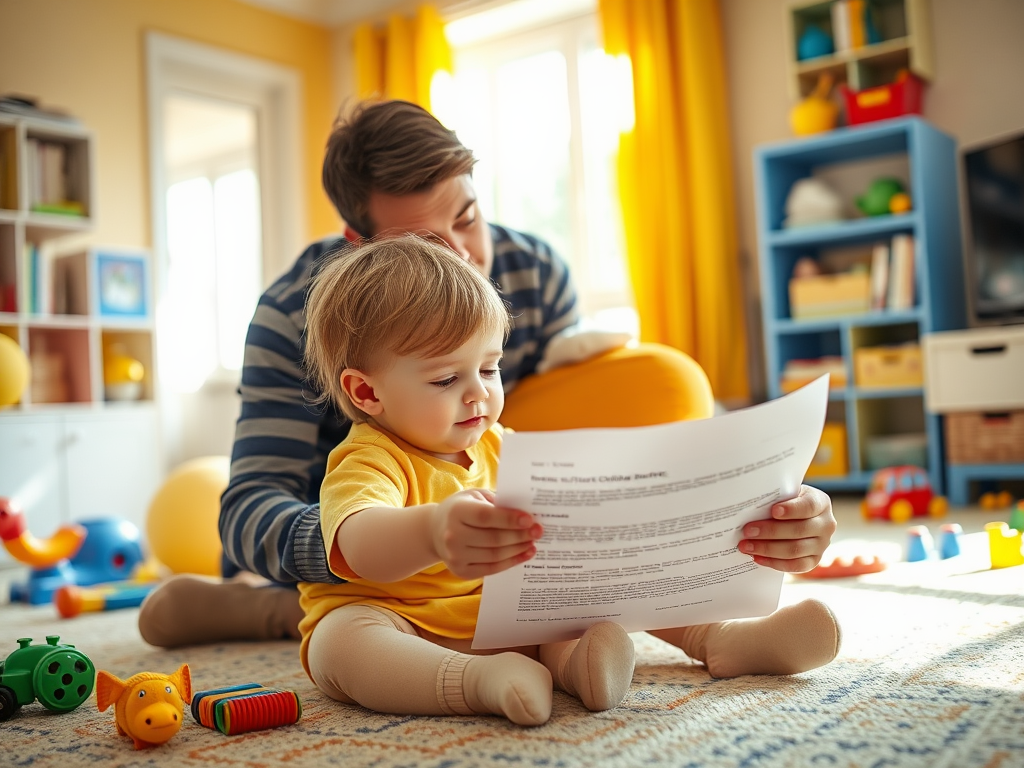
point(393, 296)
point(393, 147)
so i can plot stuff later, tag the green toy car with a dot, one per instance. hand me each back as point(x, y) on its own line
point(60, 676)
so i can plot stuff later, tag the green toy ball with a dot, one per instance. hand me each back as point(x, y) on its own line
point(875, 202)
point(14, 371)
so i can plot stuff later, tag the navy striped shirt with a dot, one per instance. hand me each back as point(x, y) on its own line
point(270, 516)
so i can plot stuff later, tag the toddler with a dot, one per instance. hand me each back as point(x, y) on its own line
point(405, 337)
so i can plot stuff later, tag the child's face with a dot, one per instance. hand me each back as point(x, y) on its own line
point(442, 405)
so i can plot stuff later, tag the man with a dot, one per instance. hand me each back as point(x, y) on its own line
point(392, 167)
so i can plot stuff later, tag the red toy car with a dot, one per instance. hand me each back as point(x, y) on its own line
point(900, 493)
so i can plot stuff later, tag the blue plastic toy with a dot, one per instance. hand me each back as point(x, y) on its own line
point(949, 540)
point(919, 543)
point(111, 551)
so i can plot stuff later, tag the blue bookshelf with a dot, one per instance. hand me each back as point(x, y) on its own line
point(934, 224)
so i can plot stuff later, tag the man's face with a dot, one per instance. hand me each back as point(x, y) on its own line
point(448, 210)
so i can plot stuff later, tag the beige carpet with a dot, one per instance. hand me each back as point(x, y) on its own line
point(931, 674)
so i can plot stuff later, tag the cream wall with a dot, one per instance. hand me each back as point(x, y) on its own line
point(88, 57)
point(977, 93)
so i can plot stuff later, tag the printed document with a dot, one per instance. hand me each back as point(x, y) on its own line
point(641, 525)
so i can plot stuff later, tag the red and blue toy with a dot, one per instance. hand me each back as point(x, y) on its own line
point(900, 493)
point(101, 551)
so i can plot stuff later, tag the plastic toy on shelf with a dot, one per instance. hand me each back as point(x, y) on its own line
point(149, 707)
point(59, 675)
point(901, 493)
point(949, 540)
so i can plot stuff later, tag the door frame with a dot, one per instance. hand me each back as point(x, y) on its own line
point(179, 65)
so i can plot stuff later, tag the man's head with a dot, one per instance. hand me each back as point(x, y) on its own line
point(391, 167)
point(404, 296)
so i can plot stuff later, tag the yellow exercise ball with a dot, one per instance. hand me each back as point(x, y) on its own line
point(181, 524)
point(14, 371)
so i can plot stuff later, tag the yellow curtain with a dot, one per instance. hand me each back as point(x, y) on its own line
point(399, 61)
point(675, 179)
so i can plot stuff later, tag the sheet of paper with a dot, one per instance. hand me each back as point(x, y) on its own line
point(641, 525)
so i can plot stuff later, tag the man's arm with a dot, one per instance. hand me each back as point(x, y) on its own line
point(268, 524)
point(537, 284)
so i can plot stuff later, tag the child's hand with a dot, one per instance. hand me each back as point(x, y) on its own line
point(475, 538)
point(795, 538)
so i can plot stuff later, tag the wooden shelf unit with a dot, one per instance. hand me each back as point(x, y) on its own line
point(905, 44)
point(68, 453)
point(934, 224)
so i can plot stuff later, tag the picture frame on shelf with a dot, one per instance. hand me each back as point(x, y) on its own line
point(121, 283)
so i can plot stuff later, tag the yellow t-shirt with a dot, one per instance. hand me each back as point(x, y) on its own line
point(370, 469)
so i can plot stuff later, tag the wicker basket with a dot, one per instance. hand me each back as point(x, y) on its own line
point(985, 438)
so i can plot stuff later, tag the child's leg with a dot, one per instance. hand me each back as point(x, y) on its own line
point(373, 657)
point(794, 639)
point(597, 669)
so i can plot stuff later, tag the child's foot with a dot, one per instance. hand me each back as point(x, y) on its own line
point(508, 684)
point(794, 639)
point(599, 669)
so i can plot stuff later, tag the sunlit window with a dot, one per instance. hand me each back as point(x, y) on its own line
point(214, 271)
point(537, 109)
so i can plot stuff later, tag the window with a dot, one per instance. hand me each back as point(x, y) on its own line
point(536, 109)
point(214, 273)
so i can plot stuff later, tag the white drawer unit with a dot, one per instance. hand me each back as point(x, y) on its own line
point(981, 369)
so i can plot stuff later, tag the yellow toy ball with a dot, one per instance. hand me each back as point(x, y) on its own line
point(14, 371)
point(181, 524)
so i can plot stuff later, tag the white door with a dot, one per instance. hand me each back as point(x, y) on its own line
point(111, 468)
point(31, 473)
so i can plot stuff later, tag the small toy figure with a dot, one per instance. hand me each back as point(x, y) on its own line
point(148, 706)
point(246, 707)
point(875, 202)
point(61, 676)
point(949, 540)
point(919, 544)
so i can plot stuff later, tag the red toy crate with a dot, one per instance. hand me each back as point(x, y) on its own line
point(900, 98)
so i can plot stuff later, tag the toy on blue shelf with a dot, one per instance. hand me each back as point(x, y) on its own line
point(93, 552)
point(59, 675)
point(919, 543)
point(949, 540)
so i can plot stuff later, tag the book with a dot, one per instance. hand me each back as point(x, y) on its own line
point(855, 12)
point(901, 280)
point(879, 275)
point(840, 26)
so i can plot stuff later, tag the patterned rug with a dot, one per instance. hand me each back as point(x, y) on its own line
point(931, 674)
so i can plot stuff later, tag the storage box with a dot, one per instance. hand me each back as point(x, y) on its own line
point(981, 369)
point(892, 366)
point(985, 438)
point(829, 295)
point(903, 97)
point(831, 457)
point(881, 451)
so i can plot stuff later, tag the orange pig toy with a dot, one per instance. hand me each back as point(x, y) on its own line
point(148, 707)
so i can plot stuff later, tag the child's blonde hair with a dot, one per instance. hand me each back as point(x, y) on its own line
point(396, 296)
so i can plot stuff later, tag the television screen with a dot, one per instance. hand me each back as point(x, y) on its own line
point(994, 179)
